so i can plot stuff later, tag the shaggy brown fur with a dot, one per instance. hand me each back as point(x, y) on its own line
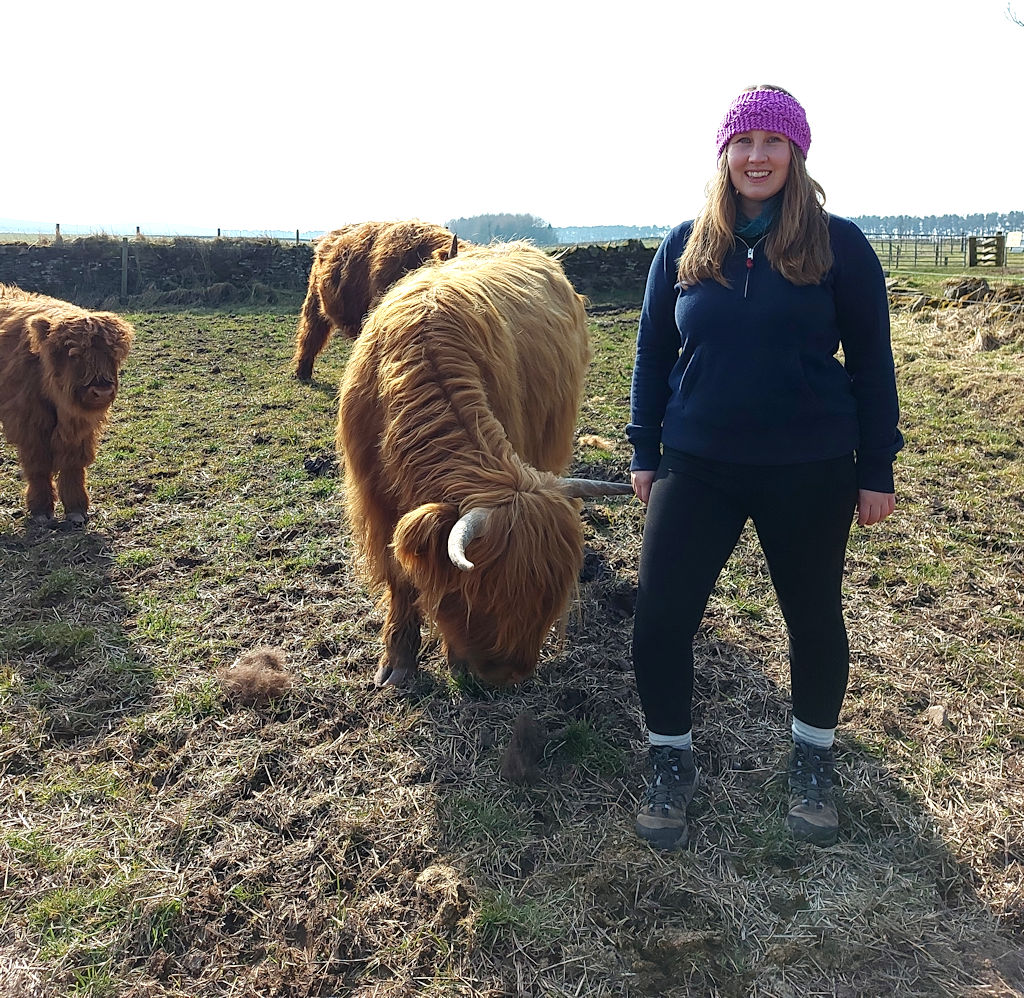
point(462, 391)
point(59, 373)
point(352, 267)
point(256, 677)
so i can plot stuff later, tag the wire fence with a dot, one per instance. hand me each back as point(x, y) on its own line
point(958, 252)
point(1001, 252)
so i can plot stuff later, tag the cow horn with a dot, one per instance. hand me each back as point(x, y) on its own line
point(588, 488)
point(454, 251)
point(471, 524)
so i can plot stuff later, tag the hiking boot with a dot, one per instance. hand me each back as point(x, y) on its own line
point(662, 817)
point(813, 816)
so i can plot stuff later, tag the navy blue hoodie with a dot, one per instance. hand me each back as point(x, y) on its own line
point(749, 374)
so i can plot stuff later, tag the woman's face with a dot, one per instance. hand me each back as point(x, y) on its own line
point(758, 167)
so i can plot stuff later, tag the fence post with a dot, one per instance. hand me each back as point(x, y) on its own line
point(296, 237)
point(124, 271)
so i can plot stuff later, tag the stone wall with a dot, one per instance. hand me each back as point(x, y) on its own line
point(196, 271)
point(89, 271)
point(617, 271)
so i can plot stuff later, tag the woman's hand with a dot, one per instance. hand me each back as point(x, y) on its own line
point(872, 507)
point(642, 482)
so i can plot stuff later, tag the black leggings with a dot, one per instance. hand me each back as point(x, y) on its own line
point(695, 515)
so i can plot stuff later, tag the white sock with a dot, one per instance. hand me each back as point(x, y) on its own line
point(674, 741)
point(818, 737)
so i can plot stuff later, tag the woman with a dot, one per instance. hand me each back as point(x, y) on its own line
point(740, 410)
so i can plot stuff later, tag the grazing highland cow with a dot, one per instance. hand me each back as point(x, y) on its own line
point(352, 267)
point(59, 367)
point(457, 412)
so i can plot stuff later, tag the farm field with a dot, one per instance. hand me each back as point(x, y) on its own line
point(160, 838)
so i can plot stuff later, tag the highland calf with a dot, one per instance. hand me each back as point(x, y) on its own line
point(457, 413)
point(352, 267)
point(59, 373)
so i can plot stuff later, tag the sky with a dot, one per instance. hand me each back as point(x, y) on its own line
point(308, 115)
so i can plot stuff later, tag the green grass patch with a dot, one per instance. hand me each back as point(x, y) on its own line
point(585, 746)
point(502, 918)
point(55, 637)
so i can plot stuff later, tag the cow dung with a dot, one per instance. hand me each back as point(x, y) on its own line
point(519, 761)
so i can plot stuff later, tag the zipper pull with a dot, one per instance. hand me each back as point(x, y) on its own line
point(750, 267)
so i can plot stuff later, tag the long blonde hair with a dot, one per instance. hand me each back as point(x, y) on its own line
point(797, 246)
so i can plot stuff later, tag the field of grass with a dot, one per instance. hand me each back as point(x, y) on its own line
point(158, 838)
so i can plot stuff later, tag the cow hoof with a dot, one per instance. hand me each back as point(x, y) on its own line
point(398, 678)
point(41, 520)
point(76, 519)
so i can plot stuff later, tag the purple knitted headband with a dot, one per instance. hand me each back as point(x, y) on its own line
point(767, 111)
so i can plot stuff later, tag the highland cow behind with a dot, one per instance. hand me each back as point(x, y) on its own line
point(457, 412)
point(59, 373)
point(352, 267)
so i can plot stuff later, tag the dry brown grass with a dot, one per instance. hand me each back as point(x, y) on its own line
point(157, 838)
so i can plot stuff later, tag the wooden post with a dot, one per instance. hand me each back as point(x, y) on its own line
point(218, 232)
point(296, 237)
point(124, 271)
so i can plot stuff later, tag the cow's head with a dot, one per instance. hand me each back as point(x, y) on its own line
point(496, 579)
point(82, 356)
point(495, 618)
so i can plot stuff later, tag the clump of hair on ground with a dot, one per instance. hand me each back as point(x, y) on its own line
point(256, 677)
point(593, 440)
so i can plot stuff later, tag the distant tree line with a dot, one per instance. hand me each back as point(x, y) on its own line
point(942, 225)
point(488, 228)
point(610, 233)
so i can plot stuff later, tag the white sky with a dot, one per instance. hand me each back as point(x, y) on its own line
point(308, 114)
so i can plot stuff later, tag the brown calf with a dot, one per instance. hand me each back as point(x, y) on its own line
point(59, 373)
